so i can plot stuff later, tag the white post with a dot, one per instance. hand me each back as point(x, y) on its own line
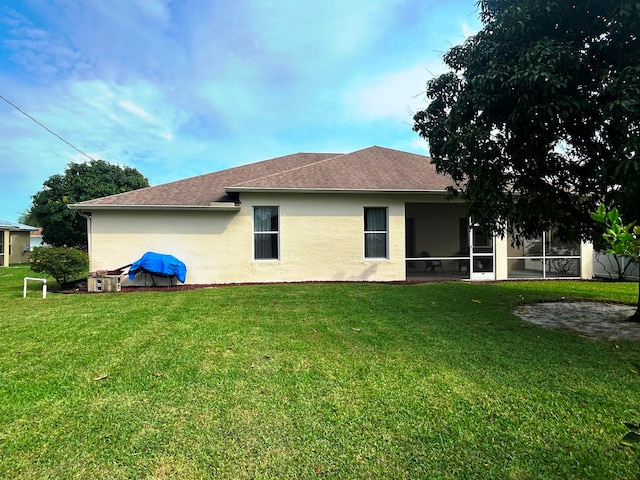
point(44, 286)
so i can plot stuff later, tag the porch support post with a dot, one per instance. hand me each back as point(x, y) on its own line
point(586, 260)
point(501, 253)
point(5, 256)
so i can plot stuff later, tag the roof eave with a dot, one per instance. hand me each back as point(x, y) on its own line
point(214, 206)
point(17, 229)
point(331, 190)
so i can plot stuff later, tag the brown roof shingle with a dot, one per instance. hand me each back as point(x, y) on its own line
point(373, 168)
point(208, 188)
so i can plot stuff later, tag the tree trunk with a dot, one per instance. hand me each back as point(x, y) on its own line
point(636, 316)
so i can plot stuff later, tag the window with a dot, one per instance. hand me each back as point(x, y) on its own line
point(375, 232)
point(265, 233)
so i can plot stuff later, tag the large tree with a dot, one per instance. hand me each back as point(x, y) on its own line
point(538, 119)
point(63, 227)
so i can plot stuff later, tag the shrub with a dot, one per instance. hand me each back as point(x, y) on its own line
point(63, 264)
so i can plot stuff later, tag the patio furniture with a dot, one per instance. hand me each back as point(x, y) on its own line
point(431, 264)
point(463, 262)
point(157, 264)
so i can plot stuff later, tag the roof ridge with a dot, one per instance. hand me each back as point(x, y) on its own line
point(370, 168)
point(217, 173)
point(300, 167)
point(313, 164)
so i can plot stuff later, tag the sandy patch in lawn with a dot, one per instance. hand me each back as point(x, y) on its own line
point(589, 319)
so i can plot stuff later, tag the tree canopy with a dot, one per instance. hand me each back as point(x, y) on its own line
point(538, 119)
point(63, 227)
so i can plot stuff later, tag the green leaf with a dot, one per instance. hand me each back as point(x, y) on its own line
point(532, 104)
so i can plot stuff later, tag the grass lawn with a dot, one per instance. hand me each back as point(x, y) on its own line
point(349, 381)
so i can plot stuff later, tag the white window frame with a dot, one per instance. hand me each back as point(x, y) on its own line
point(369, 232)
point(544, 257)
point(266, 232)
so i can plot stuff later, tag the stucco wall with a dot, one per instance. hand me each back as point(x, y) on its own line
point(20, 246)
point(321, 239)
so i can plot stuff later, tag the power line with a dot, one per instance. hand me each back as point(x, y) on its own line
point(46, 128)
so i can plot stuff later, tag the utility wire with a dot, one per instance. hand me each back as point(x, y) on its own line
point(46, 128)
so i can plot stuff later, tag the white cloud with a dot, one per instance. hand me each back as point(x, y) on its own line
point(395, 95)
point(331, 28)
point(181, 88)
point(419, 145)
point(136, 110)
point(467, 30)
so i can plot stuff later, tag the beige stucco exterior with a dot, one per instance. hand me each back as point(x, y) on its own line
point(207, 222)
point(321, 239)
point(16, 247)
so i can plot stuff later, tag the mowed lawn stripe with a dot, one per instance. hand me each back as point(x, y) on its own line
point(436, 380)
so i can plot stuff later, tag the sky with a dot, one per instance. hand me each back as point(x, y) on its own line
point(178, 88)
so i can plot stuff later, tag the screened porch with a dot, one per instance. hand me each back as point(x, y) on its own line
point(441, 243)
point(437, 241)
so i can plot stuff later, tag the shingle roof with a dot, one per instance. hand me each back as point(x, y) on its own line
point(208, 188)
point(16, 227)
point(373, 168)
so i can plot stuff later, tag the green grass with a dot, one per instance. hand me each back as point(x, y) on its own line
point(311, 381)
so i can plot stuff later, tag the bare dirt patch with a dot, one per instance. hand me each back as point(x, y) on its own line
point(589, 319)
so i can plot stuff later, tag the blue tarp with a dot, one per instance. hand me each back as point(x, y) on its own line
point(159, 264)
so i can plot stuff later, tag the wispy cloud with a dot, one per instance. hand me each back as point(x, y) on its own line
point(468, 31)
point(182, 88)
point(395, 96)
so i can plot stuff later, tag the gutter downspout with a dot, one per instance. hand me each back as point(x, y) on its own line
point(87, 215)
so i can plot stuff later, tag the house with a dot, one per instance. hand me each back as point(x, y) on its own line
point(615, 268)
point(15, 243)
point(35, 238)
point(371, 215)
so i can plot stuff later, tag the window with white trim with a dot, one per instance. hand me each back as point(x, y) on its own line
point(376, 232)
point(266, 233)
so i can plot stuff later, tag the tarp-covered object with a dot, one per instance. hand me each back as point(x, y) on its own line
point(159, 264)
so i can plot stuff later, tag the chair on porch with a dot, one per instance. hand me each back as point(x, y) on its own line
point(431, 264)
point(463, 263)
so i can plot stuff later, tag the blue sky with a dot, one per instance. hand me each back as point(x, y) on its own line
point(176, 88)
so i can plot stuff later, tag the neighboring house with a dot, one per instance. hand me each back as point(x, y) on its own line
point(14, 243)
point(36, 238)
point(370, 215)
point(607, 266)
